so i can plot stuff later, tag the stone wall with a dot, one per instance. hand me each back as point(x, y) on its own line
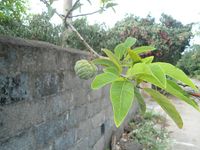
point(44, 106)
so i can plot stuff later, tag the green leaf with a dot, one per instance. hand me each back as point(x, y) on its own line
point(130, 42)
point(111, 5)
point(121, 95)
point(135, 57)
point(111, 70)
point(139, 68)
point(166, 105)
point(140, 100)
point(105, 62)
point(148, 60)
point(158, 72)
point(143, 49)
point(103, 79)
point(152, 73)
point(120, 50)
point(177, 74)
point(151, 79)
point(113, 58)
point(175, 90)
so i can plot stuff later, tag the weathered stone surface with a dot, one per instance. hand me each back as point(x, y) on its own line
point(13, 88)
point(22, 141)
point(44, 106)
point(49, 131)
point(81, 144)
point(17, 117)
point(65, 141)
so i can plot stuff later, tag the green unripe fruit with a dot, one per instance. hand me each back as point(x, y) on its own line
point(85, 69)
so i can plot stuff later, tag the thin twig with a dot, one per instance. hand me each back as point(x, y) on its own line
point(67, 23)
point(86, 14)
point(71, 9)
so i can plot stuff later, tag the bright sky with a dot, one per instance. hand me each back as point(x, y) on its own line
point(186, 11)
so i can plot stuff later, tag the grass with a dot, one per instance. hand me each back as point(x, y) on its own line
point(150, 131)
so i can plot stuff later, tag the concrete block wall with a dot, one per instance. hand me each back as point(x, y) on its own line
point(44, 106)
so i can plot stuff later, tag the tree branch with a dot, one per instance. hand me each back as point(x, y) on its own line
point(67, 23)
point(71, 9)
point(86, 14)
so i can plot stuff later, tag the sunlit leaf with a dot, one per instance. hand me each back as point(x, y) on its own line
point(105, 62)
point(103, 79)
point(177, 74)
point(120, 50)
point(143, 49)
point(175, 90)
point(113, 58)
point(121, 95)
point(166, 105)
point(148, 60)
point(111, 70)
point(134, 56)
point(152, 73)
point(130, 42)
point(158, 72)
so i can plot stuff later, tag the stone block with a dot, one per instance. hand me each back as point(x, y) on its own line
point(95, 135)
point(49, 131)
point(14, 118)
point(14, 88)
point(81, 145)
point(65, 141)
point(98, 119)
point(94, 108)
point(100, 144)
point(76, 115)
point(84, 129)
point(22, 141)
point(46, 84)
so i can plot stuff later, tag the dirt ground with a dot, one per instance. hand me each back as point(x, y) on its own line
point(187, 138)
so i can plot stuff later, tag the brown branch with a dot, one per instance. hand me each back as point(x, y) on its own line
point(194, 94)
point(67, 23)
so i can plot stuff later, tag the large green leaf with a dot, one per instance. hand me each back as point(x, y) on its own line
point(166, 105)
point(113, 58)
point(121, 95)
point(175, 90)
point(151, 79)
point(111, 70)
point(120, 50)
point(152, 73)
point(143, 49)
point(140, 100)
point(105, 62)
point(177, 74)
point(139, 68)
point(158, 72)
point(130, 42)
point(103, 79)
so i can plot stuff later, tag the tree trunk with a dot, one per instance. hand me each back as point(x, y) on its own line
point(67, 5)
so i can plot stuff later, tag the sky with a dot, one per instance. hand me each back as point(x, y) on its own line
point(186, 11)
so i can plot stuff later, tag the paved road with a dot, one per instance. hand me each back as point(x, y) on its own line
point(187, 138)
